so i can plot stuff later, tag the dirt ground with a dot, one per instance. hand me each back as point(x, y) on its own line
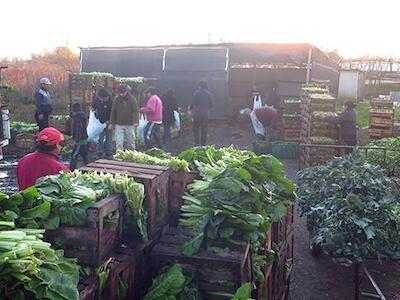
point(312, 278)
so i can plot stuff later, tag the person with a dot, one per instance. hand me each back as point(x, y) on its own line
point(169, 106)
point(263, 120)
point(254, 95)
point(154, 114)
point(125, 117)
point(44, 161)
point(347, 121)
point(79, 134)
point(200, 107)
point(44, 104)
point(274, 99)
point(102, 106)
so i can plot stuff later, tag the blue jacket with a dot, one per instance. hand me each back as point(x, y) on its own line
point(44, 103)
point(202, 102)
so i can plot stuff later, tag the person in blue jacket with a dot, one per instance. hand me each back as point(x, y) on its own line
point(44, 104)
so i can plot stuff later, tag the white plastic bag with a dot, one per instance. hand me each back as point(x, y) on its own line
point(94, 128)
point(142, 124)
point(177, 123)
point(257, 103)
point(257, 125)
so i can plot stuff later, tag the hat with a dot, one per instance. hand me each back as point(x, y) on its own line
point(123, 88)
point(45, 80)
point(50, 136)
point(103, 93)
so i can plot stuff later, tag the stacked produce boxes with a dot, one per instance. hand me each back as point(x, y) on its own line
point(317, 106)
point(291, 119)
point(81, 90)
point(381, 117)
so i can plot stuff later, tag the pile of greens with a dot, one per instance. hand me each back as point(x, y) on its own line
point(352, 207)
point(60, 118)
point(23, 127)
point(198, 156)
point(392, 163)
point(30, 269)
point(173, 284)
point(236, 202)
point(174, 163)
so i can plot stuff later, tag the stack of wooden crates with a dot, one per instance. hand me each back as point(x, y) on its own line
point(316, 105)
point(291, 119)
point(381, 117)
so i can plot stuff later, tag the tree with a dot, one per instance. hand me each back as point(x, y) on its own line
point(61, 56)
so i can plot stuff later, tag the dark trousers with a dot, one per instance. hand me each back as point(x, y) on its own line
point(152, 132)
point(200, 126)
point(166, 133)
point(79, 150)
point(43, 123)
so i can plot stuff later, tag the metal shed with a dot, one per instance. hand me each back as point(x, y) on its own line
point(231, 69)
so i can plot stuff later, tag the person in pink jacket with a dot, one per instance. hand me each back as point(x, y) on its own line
point(154, 112)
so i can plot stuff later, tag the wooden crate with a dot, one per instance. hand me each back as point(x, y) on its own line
point(214, 270)
point(281, 271)
point(291, 135)
point(124, 265)
point(80, 82)
point(25, 141)
point(87, 287)
point(179, 180)
point(155, 180)
point(98, 240)
point(292, 122)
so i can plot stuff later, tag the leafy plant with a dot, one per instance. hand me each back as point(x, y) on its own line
point(352, 207)
point(236, 202)
point(30, 269)
point(392, 161)
point(173, 284)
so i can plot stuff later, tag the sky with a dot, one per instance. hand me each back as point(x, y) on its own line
point(353, 27)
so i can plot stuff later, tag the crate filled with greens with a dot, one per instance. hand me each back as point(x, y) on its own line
point(217, 272)
point(82, 213)
point(155, 180)
point(180, 175)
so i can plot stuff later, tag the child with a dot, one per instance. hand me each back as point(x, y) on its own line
point(79, 134)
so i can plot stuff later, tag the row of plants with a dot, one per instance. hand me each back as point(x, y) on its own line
point(351, 207)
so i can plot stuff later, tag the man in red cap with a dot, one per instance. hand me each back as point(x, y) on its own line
point(44, 161)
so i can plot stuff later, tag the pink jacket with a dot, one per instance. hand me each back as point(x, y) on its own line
point(153, 109)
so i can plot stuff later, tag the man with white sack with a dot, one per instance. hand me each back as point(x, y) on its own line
point(124, 117)
point(263, 120)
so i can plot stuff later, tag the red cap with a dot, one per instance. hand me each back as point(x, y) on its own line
point(50, 135)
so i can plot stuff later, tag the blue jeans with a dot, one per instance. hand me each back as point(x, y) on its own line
point(104, 145)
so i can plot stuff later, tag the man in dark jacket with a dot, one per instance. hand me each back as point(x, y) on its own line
point(79, 134)
point(202, 102)
point(44, 104)
point(274, 99)
point(102, 106)
point(347, 121)
point(125, 117)
point(169, 106)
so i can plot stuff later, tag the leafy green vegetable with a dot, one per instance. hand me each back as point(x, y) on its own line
point(172, 283)
point(392, 162)
point(236, 201)
point(352, 207)
point(30, 269)
point(174, 163)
